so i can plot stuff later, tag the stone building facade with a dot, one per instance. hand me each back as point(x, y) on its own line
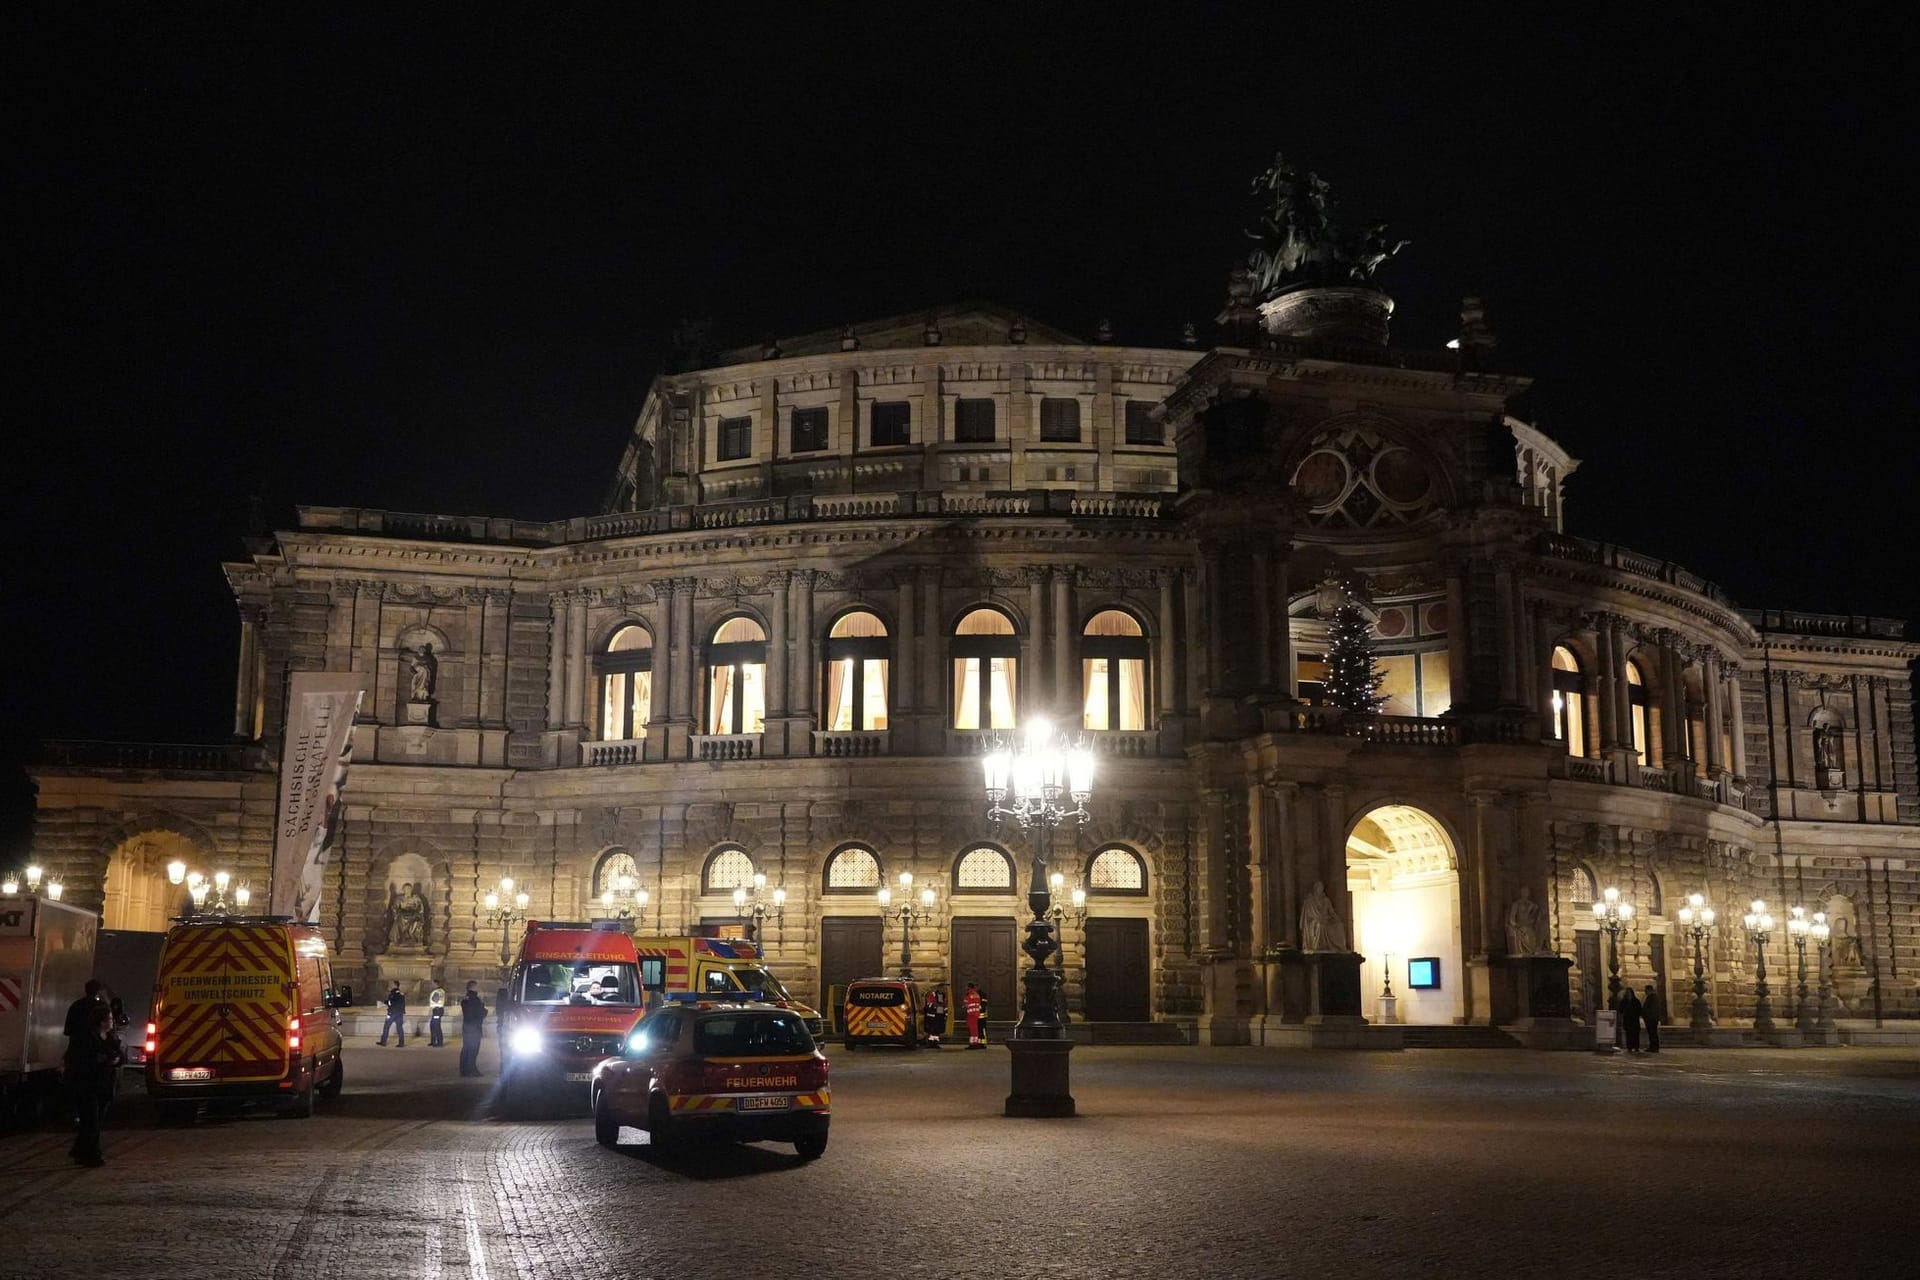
point(836, 568)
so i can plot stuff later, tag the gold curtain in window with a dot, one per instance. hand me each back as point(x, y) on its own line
point(874, 694)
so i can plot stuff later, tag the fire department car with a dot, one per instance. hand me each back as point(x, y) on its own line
point(736, 1071)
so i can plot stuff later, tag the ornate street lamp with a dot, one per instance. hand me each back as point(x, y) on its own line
point(218, 895)
point(1823, 957)
point(754, 907)
point(1798, 926)
point(907, 914)
point(623, 899)
point(1040, 785)
point(1696, 918)
point(1612, 913)
point(1759, 924)
point(35, 874)
point(505, 908)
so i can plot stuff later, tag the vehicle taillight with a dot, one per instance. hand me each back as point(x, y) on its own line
point(153, 1038)
point(293, 1035)
point(813, 1074)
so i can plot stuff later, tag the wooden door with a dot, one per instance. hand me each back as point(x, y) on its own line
point(1119, 971)
point(983, 953)
point(849, 948)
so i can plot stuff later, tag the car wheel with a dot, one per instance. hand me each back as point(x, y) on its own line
point(660, 1133)
point(331, 1089)
point(811, 1147)
point(606, 1129)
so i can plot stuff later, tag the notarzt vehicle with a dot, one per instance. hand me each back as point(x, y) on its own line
point(731, 1071)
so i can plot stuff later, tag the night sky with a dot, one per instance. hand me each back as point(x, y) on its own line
point(428, 262)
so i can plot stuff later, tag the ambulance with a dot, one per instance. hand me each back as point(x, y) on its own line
point(571, 997)
point(716, 967)
point(882, 1011)
point(242, 1014)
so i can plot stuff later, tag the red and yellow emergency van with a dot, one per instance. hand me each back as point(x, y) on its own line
point(242, 1014)
point(571, 997)
point(716, 967)
point(882, 1011)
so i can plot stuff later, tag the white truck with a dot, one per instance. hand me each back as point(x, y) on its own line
point(46, 957)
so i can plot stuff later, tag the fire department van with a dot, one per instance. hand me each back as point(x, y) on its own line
point(242, 1014)
point(571, 998)
point(716, 967)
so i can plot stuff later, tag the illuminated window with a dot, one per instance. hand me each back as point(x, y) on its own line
point(1569, 701)
point(973, 421)
point(1116, 870)
point(737, 678)
point(1639, 708)
point(890, 423)
point(617, 872)
point(1310, 669)
point(728, 869)
point(1113, 672)
point(625, 672)
point(983, 870)
point(809, 432)
point(986, 657)
point(853, 869)
point(1060, 420)
point(855, 674)
point(736, 439)
point(1141, 426)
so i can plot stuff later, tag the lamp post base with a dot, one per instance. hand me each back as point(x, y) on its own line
point(1040, 1079)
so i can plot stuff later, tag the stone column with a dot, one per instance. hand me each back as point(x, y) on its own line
point(1034, 693)
point(903, 646)
point(686, 674)
point(1607, 683)
point(1263, 611)
point(1064, 637)
point(1459, 637)
point(933, 668)
point(1859, 744)
point(1711, 692)
point(1259, 871)
point(807, 649)
point(1168, 630)
point(1737, 723)
point(1283, 930)
point(366, 626)
point(557, 662)
point(577, 658)
point(783, 738)
point(244, 677)
point(1215, 933)
point(1192, 655)
point(1506, 613)
point(1333, 853)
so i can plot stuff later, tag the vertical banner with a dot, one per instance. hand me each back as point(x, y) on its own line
point(313, 768)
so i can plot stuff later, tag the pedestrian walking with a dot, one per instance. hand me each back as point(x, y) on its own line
point(933, 1018)
point(93, 1063)
point(80, 1014)
point(974, 1006)
point(473, 1013)
point(1653, 1011)
point(396, 1016)
point(436, 1010)
point(1630, 1013)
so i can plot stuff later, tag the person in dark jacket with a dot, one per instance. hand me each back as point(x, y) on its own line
point(80, 1013)
point(473, 1016)
point(1653, 1012)
point(933, 1017)
point(93, 1063)
point(1630, 1015)
point(396, 1016)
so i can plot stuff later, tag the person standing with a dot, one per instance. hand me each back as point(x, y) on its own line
point(436, 1009)
point(933, 1017)
point(80, 1013)
point(974, 1006)
point(93, 1061)
point(1653, 1011)
point(1630, 1014)
point(396, 1016)
point(473, 1014)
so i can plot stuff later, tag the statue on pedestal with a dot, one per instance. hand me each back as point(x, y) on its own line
point(1320, 926)
point(1524, 935)
point(407, 918)
point(421, 668)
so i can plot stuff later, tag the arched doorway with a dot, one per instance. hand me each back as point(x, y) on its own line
point(1405, 881)
point(137, 894)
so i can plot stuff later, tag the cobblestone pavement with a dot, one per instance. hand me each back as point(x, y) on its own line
point(1185, 1162)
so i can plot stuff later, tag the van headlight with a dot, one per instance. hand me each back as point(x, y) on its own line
point(526, 1040)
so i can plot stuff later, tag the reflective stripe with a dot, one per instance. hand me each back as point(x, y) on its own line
point(877, 1020)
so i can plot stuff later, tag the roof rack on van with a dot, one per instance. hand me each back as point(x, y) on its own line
point(599, 926)
point(223, 917)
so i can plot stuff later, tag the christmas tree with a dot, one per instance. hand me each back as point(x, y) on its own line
point(1353, 681)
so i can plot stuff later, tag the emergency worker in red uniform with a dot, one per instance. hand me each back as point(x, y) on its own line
point(974, 1006)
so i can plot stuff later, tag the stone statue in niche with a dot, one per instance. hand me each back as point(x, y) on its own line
point(407, 918)
point(421, 669)
point(1320, 926)
point(1524, 935)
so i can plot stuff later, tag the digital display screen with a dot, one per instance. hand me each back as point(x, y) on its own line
point(1423, 973)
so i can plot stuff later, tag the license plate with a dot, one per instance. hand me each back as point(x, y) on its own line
point(579, 1077)
point(190, 1073)
point(763, 1104)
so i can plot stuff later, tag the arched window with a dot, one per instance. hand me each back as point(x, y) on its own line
point(855, 674)
point(986, 657)
point(737, 678)
point(1113, 672)
point(1638, 709)
point(616, 872)
point(853, 869)
point(1116, 870)
point(1829, 750)
point(727, 869)
point(983, 869)
point(625, 672)
point(1569, 701)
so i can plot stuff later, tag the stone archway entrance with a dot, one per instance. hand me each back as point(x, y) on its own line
point(1404, 876)
point(137, 894)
